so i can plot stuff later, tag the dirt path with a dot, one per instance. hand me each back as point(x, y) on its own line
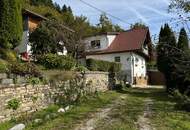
point(143, 122)
point(90, 124)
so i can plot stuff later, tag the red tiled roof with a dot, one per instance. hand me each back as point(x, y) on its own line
point(130, 40)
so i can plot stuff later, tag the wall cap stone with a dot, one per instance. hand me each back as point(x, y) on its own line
point(96, 72)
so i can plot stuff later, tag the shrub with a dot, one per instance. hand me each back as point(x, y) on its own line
point(183, 101)
point(3, 66)
point(118, 87)
point(53, 61)
point(8, 55)
point(23, 69)
point(80, 68)
point(13, 104)
point(98, 65)
point(34, 81)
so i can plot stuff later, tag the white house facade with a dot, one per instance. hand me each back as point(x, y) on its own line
point(130, 48)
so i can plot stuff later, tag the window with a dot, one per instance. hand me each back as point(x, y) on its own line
point(95, 44)
point(117, 59)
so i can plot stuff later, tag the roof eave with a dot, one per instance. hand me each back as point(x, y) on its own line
point(34, 14)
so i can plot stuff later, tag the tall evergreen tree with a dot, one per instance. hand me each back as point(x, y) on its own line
point(16, 27)
point(183, 42)
point(57, 7)
point(4, 24)
point(166, 53)
point(10, 23)
point(64, 8)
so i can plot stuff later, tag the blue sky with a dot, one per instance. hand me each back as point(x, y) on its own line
point(153, 13)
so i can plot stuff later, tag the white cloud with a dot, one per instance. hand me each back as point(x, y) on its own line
point(139, 15)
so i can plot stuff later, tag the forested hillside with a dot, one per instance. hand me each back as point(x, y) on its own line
point(65, 16)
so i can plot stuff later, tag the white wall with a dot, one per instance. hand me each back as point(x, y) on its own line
point(111, 58)
point(23, 46)
point(130, 65)
point(105, 41)
point(139, 65)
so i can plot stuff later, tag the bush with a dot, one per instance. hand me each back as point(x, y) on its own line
point(98, 65)
point(13, 104)
point(53, 61)
point(23, 69)
point(183, 101)
point(34, 81)
point(80, 68)
point(3, 66)
point(8, 55)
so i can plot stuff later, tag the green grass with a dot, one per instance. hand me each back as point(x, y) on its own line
point(165, 116)
point(67, 120)
point(78, 113)
point(125, 114)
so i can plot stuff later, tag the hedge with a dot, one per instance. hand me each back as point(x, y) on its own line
point(99, 65)
point(25, 69)
point(54, 61)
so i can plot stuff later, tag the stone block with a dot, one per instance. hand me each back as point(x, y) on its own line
point(7, 81)
point(18, 127)
point(21, 80)
point(3, 75)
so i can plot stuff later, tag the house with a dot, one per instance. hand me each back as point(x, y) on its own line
point(31, 21)
point(131, 48)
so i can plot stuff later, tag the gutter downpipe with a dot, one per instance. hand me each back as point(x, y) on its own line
point(132, 72)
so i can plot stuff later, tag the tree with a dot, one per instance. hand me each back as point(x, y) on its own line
point(183, 42)
point(42, 2)
point(165, 55)
point(10, 23)
point(43, 40)
point(183, 5)
point(57, 7)
point(64, 8)
point(68, 17)
point(138, 25)
point(105, 24)
point(47, 37)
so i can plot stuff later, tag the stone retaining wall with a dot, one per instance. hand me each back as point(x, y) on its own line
point(36, 97)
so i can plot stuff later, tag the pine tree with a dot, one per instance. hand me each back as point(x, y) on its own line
point(183, 40)
point(57, 7)
point(166, 54)
point(64, 8)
